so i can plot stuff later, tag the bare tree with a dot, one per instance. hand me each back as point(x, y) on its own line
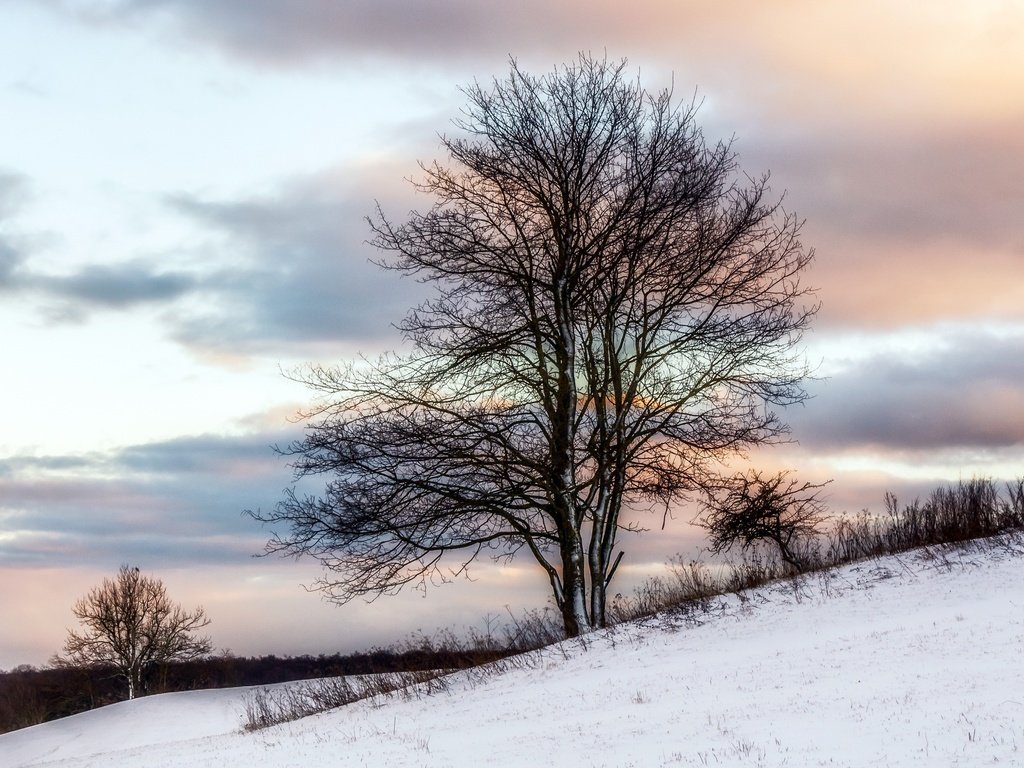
point(129, 623)
point(777, 509)
point(616, 307)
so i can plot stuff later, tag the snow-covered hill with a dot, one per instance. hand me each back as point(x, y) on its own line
point(914, 661)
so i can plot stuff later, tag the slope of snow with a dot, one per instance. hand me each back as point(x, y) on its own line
point(914, 661)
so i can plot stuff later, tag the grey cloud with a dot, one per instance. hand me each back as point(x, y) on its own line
point(161, 503)
point(965, 395)
point(18, 464)
point(115, 287)
point(300, 272)
point(94, 286)
point(71, 298)
point(10, 261)
point(196, 454)
point(13, 191)
point(308, 277)
point(284, 33)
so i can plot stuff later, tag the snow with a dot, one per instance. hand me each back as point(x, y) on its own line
point(912, 661)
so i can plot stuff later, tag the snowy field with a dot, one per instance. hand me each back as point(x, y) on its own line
point(895, 662)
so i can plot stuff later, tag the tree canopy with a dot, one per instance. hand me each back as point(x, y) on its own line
point(129, 623)
point(616, 309)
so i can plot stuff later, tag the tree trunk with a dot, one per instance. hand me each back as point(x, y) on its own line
point(574, 583)
point(574, 598)
point(598, 596)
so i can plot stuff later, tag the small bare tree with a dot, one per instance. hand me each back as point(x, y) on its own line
point(777, 509)
point(129, 623)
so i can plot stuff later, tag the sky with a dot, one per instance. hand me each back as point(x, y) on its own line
point(183, 186)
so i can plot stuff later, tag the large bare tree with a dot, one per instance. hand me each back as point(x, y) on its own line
point(129, 623)
point(617, 308)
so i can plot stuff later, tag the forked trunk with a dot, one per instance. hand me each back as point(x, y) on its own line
point(573, 603)
point(574, 609)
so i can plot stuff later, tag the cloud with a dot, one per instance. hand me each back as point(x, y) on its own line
point(116, 287)
point(951, 184)
point(305, 274)
point(164, 503)
point(942, 53)
point(912, 224)
point(10, 261)
point(273, 272)
point(899, 152)
point(13, 192)
point(74, 296)
point(963, 393)
point(94, 286)
point(289, 34)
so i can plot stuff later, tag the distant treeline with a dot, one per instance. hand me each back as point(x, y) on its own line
point(29, 696)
